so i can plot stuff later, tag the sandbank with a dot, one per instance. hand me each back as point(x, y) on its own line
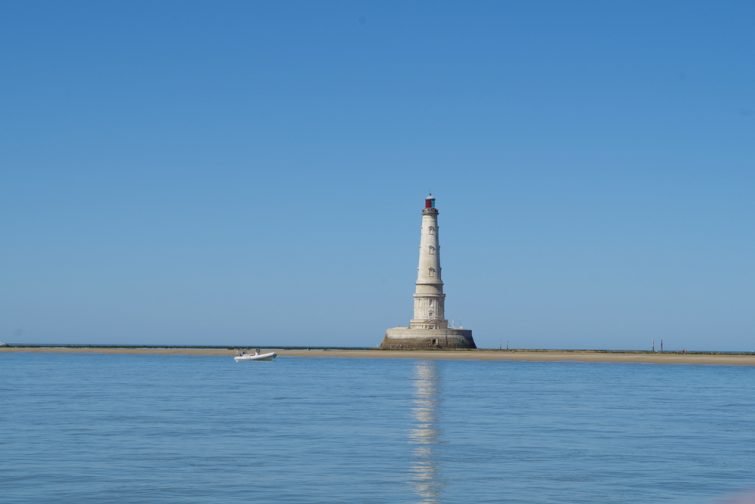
point(713, 358)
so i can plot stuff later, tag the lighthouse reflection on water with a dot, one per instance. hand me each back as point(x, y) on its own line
point(424, 433)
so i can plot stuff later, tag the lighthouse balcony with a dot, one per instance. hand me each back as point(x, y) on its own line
point(428, 324)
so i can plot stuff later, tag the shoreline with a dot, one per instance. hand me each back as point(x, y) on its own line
point(603, 356)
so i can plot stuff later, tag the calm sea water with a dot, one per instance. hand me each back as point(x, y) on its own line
point(173, 429)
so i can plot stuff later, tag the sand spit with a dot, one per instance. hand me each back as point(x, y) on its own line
point(724, 359)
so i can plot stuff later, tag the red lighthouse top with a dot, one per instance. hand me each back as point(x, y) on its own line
point(430, 201)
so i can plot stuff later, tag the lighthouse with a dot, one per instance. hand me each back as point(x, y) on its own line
point(429, 328)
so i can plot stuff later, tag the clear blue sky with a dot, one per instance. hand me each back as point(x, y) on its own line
point(252, 172)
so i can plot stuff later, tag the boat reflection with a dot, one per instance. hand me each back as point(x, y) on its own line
point(424, 434)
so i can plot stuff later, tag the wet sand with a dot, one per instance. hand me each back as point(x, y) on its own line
point(725, 359)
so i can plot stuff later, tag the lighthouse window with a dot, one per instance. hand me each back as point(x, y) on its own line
point(432, 272)
point(432, 230)
point(432, 250)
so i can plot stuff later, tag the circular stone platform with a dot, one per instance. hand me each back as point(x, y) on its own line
point(404, 338)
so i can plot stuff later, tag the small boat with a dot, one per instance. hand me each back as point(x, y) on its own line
point(256, 356)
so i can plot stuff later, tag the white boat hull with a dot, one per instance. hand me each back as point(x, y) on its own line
point(256, 357)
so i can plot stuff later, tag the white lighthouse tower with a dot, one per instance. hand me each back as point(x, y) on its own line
point(429, 327)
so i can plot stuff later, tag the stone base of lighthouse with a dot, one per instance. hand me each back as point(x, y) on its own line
point(405, 338)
